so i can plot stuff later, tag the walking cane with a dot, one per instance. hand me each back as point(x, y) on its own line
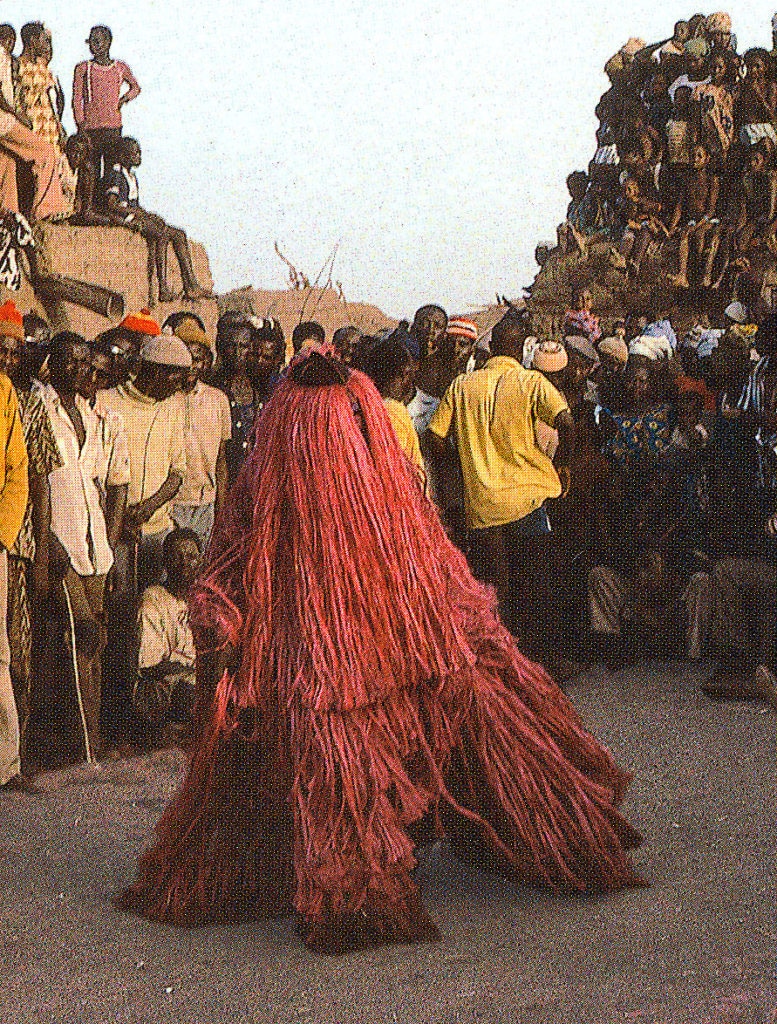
point(76, 676)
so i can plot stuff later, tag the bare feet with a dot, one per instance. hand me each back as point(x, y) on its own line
point(678, 281)
point(706, 281)
point(197, 293)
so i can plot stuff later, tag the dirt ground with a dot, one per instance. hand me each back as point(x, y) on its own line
point(695, 947)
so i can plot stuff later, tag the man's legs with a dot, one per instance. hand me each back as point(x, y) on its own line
point(748, 588)
point(528, 556)
point(606, 594)
point(180, 244)
point(747, 597)
point(49, 200)
point(489, 564)
point(20, 640)
point(85, 595)
point(103, 151)
point(9, 190)
point(699, 603)
point(10, 763)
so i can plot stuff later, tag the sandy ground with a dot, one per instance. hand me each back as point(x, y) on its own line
point(697, 946)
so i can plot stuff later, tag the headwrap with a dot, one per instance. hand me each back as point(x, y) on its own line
point(718, 22)
point(652, 348)
point(166, 350)
point(11, 321)
point(549, 357)
point(693, 386)
point(736, 311)
point(460, 327)
point(615, 347)
point(581, 345)
point(662, 329)
point(141, 323)
point(697, 47)
point(189, 331)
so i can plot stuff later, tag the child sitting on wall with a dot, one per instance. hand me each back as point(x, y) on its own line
point(122, 205)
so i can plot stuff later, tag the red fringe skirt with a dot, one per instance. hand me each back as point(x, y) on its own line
point(293, 808)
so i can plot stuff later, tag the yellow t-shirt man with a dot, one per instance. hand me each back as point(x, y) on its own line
point(493, 412)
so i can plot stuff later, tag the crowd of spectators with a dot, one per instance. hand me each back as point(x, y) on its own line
point(616, 485)
point(685, 165)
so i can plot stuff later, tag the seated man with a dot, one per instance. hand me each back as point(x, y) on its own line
point(651, 608)
point(165, 685)
point(695, 218)
point(122, 205)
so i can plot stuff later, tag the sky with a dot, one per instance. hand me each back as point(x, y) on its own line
point(429, 141)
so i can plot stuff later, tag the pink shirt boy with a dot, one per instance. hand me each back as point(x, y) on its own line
point(96, 93)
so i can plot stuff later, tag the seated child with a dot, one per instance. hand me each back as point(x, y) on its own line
point(165, 685)
point(758, 200)
point(641, 224)
point(695, 218)
point(579, 319)
point(122, 205)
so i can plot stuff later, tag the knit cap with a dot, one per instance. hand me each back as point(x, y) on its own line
point(166, 350)
point(11, 321)
point(141, 323)
point(461, 327)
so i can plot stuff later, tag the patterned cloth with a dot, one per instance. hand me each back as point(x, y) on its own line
point(15, 234)
point(36, 95)
point(640, 439)
point(755, 399)
point(582, 321)
point(716, 104)
point(43, 456)
point(20, 639)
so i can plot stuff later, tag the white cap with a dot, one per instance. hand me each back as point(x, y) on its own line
point(166, 350)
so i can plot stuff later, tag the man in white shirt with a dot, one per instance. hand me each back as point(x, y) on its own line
point(208, 428)
point(153, 416)
point(77, 517)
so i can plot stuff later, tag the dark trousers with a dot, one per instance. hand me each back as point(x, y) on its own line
point(498, 557)
point(103, 152)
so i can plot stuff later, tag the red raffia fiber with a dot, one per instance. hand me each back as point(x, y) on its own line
point(375, 687)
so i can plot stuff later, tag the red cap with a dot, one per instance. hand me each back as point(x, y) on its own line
point(141, 323)
point(11, 321)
